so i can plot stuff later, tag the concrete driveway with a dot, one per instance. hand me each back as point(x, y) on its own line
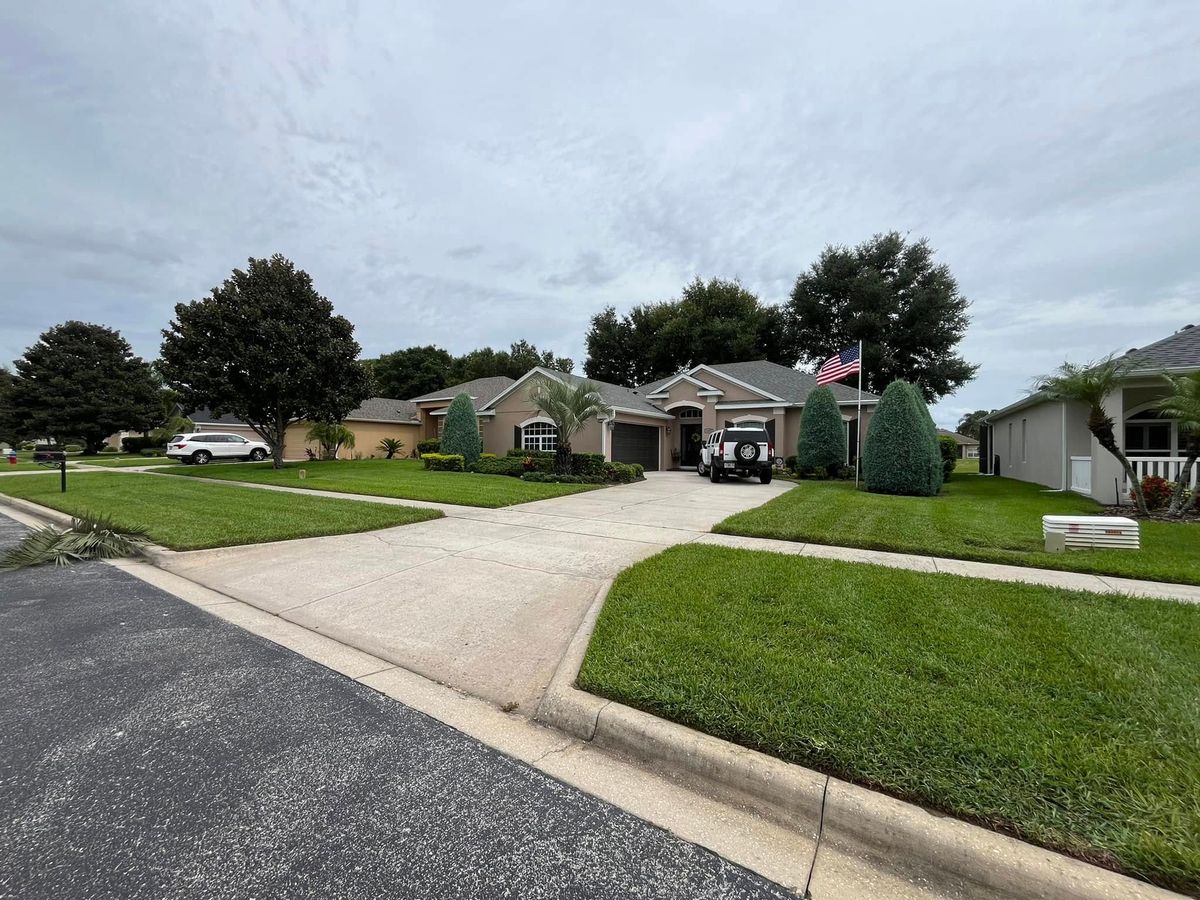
point(485, 600)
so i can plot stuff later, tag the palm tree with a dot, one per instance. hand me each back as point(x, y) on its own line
point(569, 407)
point(332, 436)
point(1090, 384)
point(1183, 405)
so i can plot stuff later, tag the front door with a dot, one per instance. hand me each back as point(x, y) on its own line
point(689, 452)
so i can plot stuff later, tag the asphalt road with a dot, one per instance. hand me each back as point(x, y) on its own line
point(148, 749)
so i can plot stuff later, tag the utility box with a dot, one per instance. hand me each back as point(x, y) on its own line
point(1090, 533)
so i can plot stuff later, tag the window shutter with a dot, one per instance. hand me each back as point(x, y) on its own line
point(516, 436)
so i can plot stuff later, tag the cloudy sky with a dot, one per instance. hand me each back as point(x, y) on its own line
point(469, 174)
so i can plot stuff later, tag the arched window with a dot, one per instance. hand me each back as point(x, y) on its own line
point(689, 412)
point(539, 436)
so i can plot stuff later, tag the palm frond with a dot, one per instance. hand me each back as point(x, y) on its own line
point(89, 537)
point(1183, 403)
point(1088, 383)
point(569, 406)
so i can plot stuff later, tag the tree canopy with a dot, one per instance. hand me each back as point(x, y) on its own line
point(890, 294)
point(411, 372)
point(519, 358)
point(83, 381)
point(266, 347)
point(714, 321)
point(970, 422)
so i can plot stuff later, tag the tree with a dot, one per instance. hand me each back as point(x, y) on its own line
point(411, 372)
point(332, 436)
point(83, 381)
point(1090, 384)
point(569, 407)
point(822, 441)
point(461, 432)
point(901, 455)
point(1183, 404)
point(266, 347)
point(714, 321)
point(8, 420)
point(519, 358)
point(889, 294)
point(969, 424)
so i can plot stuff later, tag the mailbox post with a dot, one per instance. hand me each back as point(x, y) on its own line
point(53, 459)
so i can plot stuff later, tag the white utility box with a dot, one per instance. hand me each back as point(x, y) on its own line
point(1094, 532)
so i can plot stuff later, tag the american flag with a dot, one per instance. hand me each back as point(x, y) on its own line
point(839, 366)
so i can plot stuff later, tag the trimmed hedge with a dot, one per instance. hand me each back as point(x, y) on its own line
point(822, 441)
point(444, 462)
point(623, 473)
point(138, 443)
point(429, 445)
point(901, 455)
point(532, 454)
point(460, 435)
point(948, 447)
point(504, 465)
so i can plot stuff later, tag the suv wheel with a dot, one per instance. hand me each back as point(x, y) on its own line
point(258, 454)
point(745, 452)
point(201, 457)
point(714, 474)
point(765, 476)
point(700, 469)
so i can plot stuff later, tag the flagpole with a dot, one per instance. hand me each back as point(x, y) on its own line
point(858, 422)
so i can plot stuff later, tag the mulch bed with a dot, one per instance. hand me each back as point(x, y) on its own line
point(1157, 515)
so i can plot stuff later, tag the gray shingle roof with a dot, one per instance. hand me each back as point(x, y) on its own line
point(385, 409)
point(481, 390)
point(615, 395)
point(207, 417)
point(958, 438)
point(1179, 350)
point(791, 385)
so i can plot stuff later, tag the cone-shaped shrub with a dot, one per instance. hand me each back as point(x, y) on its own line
point(901, 455)
point(822, 442)
point(461, 432)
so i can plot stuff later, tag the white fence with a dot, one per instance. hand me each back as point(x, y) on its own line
point(1168, 467)
point(1081, 474)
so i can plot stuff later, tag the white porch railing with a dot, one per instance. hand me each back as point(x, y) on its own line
point(1081, 474)
point(1167, 467)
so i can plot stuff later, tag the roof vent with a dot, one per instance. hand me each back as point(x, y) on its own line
point(1131, 350)
point(1187, 327)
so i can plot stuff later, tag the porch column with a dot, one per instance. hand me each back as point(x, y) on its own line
point(1105, 467)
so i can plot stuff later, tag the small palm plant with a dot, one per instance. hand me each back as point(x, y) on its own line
point(332, 436)
point(1183, 405)
point(89, 537)
point(390, 447)
point(1090, 384)
point(569, 407)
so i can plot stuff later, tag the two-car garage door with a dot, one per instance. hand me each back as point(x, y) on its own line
point(636, 444)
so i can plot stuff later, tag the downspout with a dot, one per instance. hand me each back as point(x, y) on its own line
point(1066, 453)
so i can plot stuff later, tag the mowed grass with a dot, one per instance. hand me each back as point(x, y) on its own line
point(183, 515)
point(124, 462)
point(974, 517)
point(405, 479)
point(1068, 719)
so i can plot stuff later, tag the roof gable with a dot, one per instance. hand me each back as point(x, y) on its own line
point(784, 383)
point(481, 391)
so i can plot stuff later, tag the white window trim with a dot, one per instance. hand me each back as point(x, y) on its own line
point(689, 403)
point(533, 419)
point(751, 418)
point(542, 438)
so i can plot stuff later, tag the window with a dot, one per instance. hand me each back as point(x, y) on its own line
point(689, 412)
point(539, 436)
point(441, 420)
point(1023, 421)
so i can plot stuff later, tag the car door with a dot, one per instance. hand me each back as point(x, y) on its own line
point(237, 446)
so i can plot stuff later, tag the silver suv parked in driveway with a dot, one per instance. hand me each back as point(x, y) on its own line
point(203, 447)
point(741, 450)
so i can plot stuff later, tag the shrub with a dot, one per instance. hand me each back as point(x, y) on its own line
point(72, 448)
point(901, 455)
point(138, 442)
point(621, 473)
point(555, 478)
point(589, 465)
point(152, 453)
point(822, 441)
point(948, 447)
point(1157, 491)
point(461, 432)
point(532, 454)
point(503, 465)
point(444, 462)
point(107, 448)
point(792, 463)
point(332, 437)
point(429, 445)
point(389, 447)
point(845, 473)
point(27, 445)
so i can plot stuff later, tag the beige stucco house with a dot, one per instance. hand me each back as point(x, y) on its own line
point(1048, 442)
point(968, 447)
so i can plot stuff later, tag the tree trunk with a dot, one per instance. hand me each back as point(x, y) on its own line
point(279, 427)
point(1177, 506)
point(1102, 428)
point(562, 458)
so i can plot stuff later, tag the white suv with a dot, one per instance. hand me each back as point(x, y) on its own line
point(202, 448)
point(741, 450)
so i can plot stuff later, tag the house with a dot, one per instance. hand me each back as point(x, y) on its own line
point(1048, 442)
point(659, 425)
point(375, 419)
point(968, 447)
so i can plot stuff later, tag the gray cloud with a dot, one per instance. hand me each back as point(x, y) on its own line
point(470, 176)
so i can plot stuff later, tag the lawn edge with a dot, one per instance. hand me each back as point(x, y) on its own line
point(897, 834)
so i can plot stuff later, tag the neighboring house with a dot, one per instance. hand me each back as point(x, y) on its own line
point(659, 425)
point(1048, 442)
point(968, 447)
point(375, 419)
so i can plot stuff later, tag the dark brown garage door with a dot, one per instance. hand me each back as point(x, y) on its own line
point(636, 444)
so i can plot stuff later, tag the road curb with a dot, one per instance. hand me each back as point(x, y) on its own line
point(899, 835)
point(152, 552)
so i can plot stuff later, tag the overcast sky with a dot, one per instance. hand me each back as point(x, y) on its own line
point(470, 174)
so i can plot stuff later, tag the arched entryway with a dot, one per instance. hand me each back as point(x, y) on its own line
point(688, 435)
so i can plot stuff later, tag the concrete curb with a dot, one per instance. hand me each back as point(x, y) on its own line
point(152, 552)
point(899, 835)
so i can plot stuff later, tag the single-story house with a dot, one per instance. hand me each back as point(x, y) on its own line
point(968, 447)
point(375, 419)
point(1048, 442)
point(660, 425)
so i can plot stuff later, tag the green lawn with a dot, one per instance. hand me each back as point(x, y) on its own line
point(187, 516)
point(1066, 718)
point(988, 519)
point(23, 466)
point(403, 478)
point(122, 462)
point(967, 467)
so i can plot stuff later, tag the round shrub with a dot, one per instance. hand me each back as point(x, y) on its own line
point(948, 447)
point(901, 455)
point(822, 441)
point(460, 436)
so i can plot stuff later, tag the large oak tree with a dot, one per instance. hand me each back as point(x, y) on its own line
point(266, 347)
point(890, 294)
point(82, 381)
